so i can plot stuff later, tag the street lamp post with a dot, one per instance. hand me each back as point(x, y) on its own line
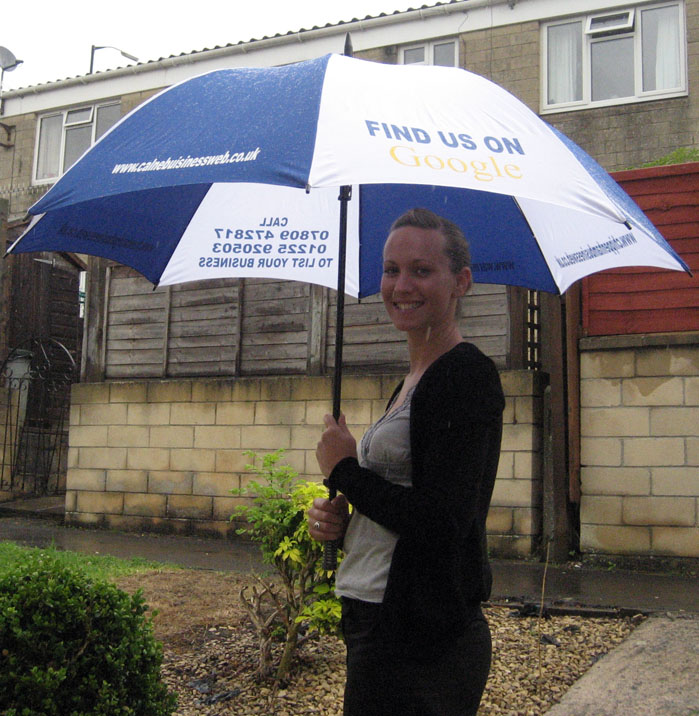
point(108, 47)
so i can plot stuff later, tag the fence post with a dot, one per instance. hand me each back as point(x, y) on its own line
point(92, 368)
point(557, 525)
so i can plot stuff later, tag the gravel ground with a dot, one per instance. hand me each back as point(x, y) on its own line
point(526, 679)
point(210, 653)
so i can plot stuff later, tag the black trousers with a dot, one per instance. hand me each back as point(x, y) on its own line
point(383, 680)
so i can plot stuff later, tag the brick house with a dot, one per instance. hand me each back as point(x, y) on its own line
point(179, 382)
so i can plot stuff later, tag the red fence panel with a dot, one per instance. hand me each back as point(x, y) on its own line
point(648, 300)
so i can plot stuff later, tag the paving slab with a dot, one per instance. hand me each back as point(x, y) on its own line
point(653, 672)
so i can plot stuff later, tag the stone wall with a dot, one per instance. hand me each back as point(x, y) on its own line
point(640, 445)
point(164, 455)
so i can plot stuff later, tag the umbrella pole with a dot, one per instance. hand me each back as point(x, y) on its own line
point(345, 196)
point(330, 548)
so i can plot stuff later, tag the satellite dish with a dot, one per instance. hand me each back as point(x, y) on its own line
point(8, 61)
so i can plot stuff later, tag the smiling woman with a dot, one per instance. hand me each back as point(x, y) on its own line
point(415, 569)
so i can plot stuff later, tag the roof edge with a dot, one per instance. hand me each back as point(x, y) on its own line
point(253, 45)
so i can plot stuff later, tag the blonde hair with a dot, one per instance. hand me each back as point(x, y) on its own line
point(455, 243)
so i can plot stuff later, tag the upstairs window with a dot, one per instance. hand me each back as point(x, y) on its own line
point(440, 52)
point(64, 136)
point(614, 57)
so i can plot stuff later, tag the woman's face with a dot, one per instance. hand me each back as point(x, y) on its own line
point(418, 287)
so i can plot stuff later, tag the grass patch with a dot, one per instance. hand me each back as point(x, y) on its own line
point(95, 566)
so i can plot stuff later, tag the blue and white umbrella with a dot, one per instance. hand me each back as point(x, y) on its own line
point(235, 173)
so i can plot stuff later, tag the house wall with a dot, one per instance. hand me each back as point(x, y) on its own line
point(16, 165)
point(5, 394)
point(164, 455)
point(628, 135)
point(4, 282)
point(640, 445)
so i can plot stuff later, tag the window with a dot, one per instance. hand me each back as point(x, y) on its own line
point(615, 57)
point(63, 137)
point(441, 52)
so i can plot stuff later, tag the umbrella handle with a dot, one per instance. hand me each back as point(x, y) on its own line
point(330, 552)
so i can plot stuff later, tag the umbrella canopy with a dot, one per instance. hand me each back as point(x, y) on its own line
point(173, 189)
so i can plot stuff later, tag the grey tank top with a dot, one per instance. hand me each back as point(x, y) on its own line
point(385, 450)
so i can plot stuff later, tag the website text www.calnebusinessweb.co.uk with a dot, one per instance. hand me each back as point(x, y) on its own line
point(187, 162)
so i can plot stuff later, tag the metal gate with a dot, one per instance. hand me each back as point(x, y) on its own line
point(35, 381)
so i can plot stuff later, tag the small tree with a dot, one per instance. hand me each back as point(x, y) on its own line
point(276, 519)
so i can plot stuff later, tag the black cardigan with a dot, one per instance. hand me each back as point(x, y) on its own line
point(439, 572)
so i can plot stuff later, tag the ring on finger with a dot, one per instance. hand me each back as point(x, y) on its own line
point(316, 525)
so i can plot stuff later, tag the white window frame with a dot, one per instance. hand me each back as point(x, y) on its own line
point(627, 25)
point(429, 50)
point(631, 27)
point(66, 124)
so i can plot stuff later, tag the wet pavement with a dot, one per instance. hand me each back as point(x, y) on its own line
point(652, 672)
point(184, 551)
point(577, 585)
point(572, 586)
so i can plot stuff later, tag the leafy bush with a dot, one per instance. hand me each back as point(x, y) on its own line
point(72, 646)
point(276, 518)
point(681, 155)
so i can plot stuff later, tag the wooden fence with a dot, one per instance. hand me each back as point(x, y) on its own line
point(262, 327)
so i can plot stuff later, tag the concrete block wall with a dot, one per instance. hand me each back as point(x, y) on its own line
point(16, 166)
point(640, 447)
point(514, 520)
point(508, 55)
point(164, 455)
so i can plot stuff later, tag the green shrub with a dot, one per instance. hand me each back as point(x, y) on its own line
point(72, 646)
point(276, 519)
point(681, 155)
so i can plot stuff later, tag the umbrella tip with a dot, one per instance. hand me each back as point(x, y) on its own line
point(349, 52)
